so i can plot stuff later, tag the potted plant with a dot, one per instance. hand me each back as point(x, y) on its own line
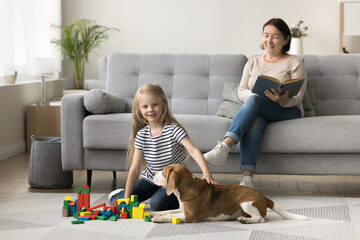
point(78, 40)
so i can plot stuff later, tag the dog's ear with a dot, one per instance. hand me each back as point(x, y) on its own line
point(171, 179)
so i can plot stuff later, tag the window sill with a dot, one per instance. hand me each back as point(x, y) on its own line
point(31, 81)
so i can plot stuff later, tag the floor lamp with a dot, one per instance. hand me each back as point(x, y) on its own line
point(43, 67)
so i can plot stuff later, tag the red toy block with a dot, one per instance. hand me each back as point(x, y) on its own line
point(96, 207)
point(112, 208)
point(117, 208)
point(124, 215)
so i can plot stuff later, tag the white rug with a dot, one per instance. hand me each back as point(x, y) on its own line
point(38, 216)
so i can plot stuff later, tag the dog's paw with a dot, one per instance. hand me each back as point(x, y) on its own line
point(242, 219)
point(160, 219)
point(155, 214)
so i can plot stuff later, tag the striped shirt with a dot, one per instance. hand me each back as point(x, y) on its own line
point(162, 150)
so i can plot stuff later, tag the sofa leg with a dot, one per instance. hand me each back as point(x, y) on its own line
point(89, 174)
point(114, 175)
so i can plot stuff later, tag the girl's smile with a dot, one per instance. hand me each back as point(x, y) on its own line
point(151, 108)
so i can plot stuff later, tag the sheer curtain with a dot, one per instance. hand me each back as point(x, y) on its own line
point(25, 33)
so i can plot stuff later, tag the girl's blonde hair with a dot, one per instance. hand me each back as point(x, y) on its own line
point(139, 121)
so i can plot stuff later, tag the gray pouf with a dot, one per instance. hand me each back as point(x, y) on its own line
point(45, 170)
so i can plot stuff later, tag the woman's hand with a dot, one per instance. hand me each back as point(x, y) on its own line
point(274, 95)
point(209, 179)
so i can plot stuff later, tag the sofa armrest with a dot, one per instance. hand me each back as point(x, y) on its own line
point(73, 113)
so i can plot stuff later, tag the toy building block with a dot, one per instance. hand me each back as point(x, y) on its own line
point(176, 220)
point(101, 218)
point(134, 198)
point(83, 198)
point(67, 198)
point(147, 218)
point(86, 214)
point(77, 222)
point(95, 213)
point(83, 218)
point(133, 203)
point(112, 208)
point(113, 218)
point(123, 200)
point(96, 207)
point(124, 215)
point(108, 213)
point(138, 212)
point(65, 212)
point(92, 217)
point(72, 208)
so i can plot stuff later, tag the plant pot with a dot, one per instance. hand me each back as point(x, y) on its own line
point(78, 68)
point(296, 46)
point(71, 91)
point(10, 79)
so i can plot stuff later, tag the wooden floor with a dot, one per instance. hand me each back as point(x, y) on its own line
point(14, 182)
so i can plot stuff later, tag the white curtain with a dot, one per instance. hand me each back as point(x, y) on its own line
point(25, 32)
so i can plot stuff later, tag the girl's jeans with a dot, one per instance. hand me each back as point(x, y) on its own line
point(249, 125)
point(159, 201)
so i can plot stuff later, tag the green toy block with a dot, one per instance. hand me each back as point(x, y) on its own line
point(86, 190)
point(76, 215)
point(101, 218)
point(147, 219)
point(133, 204)
point(77, 222)
point(113, 218)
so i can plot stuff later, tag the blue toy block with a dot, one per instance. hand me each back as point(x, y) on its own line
point(84, 218)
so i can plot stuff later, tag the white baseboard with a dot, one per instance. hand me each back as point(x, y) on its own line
point(12, 150)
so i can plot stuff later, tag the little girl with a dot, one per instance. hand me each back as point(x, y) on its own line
point(157, 141)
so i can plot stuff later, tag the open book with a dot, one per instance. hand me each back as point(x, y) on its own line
point(265, 82)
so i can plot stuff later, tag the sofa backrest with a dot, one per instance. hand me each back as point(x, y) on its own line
point(193, 83)
point(337, 83)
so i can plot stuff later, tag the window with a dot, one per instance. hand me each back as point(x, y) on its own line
point(25, 32)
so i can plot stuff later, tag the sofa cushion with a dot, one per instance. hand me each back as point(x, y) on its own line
point(112, 131)
point(98, 101)
point(320, 134)
point(230, 102)
point(193, 83)
point(107, 131)
point(309, 101)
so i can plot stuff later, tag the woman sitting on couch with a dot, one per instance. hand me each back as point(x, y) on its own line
point(257, 111)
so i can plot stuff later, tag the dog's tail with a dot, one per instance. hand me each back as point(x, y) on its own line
point(285, 214)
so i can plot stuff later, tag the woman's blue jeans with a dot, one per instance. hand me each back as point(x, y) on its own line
point(250, 123)
point(159, 201)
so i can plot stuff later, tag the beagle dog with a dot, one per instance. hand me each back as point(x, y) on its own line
point(202, 201)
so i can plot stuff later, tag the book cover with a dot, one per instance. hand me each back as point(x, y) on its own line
point(265, 82)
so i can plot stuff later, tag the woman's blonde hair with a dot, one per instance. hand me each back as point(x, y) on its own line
point(139, 121)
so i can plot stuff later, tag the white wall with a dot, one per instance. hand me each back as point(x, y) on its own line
point(202, 26)
point(14, 100)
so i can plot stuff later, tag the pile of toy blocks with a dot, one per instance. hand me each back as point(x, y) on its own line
point(124, 208)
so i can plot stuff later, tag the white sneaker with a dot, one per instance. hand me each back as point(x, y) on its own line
point(217, 156)
point(114, 192)
point(247, 182)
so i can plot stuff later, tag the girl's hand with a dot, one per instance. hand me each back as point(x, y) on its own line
point(210, 180)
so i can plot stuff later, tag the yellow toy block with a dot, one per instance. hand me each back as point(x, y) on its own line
point(123, 200)
point(67, 198)
point(86, 214)
point(142, 205)
point(134, 198)
point(138, 213)
point(176, 220)
point(146, 214)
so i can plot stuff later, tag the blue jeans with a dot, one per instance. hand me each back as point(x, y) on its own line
point(159, 201)
point(250, 123)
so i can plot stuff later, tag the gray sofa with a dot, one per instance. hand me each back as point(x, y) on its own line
point(327, 142)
